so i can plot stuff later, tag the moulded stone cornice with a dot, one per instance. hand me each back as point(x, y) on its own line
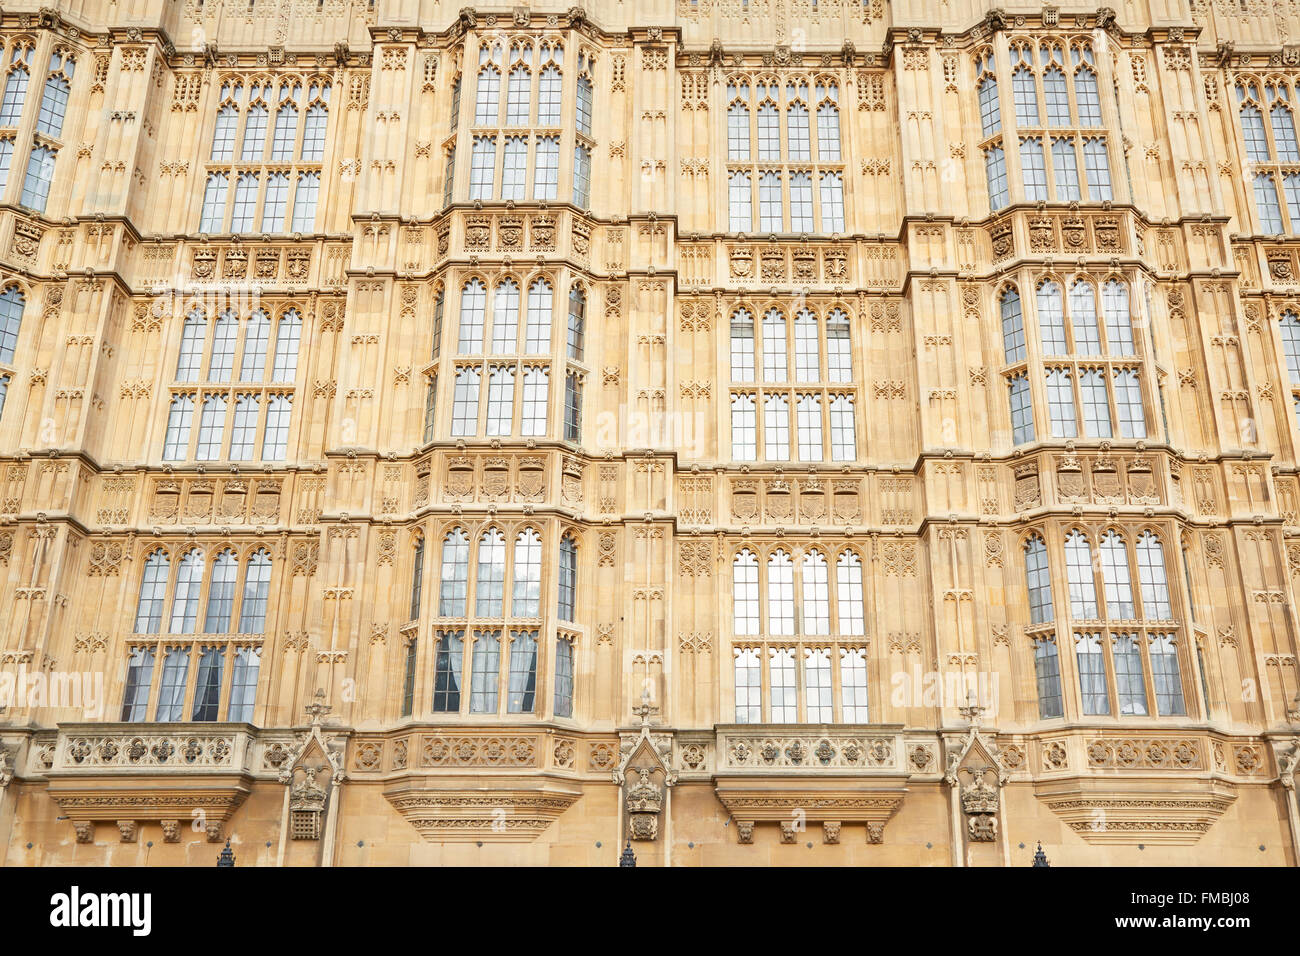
point(831, 801)
point(502, 810)
point(1149, 811)
point(153, 797)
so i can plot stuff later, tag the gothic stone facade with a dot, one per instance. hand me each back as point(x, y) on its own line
point(765, 431)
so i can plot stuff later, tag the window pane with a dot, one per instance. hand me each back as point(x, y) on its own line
point(1047, 670)
point(485, 672)
point(749, 686)
point(1129, 682)
point(781, 682)
point(455, 575)
point(448, 662)
point(523, 673)
point(1090, 658)
point(817, 685)
point(1038, 582)
point(744, 586)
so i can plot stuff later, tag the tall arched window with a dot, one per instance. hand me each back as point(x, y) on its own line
point(839, 356)
point(577, 323)
point(563, 677)
point(780, 593)
point(223, 132)
point(548, 95)
point(848, 594)
point(464, 402)
point(139, 678)
point(776, 427)
point(744, 428)
point(769, 130)
point(807, 357)
point(473, 304)
point(1128, 404)
point(485, 672)
point(488, 96)
point(1013, 327)
point(742, 345)
point(798, 143)
point(252, 365)
point(501, 400)
point(455, 574)
point(275, 436)
point(744, 585)
point(212, 427)
point(584, 107)
point(1119, 326)
point(1152, 577)
point(1086, 96)
point(738, 121)
point(1054, 90)
point(816, 594)
point(288, 335)
point(505, 317)
point(749, 685)
point(286, 126)
point(568, 578)
point(185, 602)
point(255, 123)
point(1051, 319)
point(54, 101)
point(533, 410)
point(1288, 327)
point(193, 335)
point(1024, 87)
point(986, 84)
point(180, 417)
point(313, 131)
point(12, 303)
point(775, 368)
point(224, 333)
point(417, 580)
point(243, 683)
point(1116, 577)
point(257, 590)
point(16, 80)
point(1252, 123)
point(526, 601)
point(1079, 573)
point(995, 173)
point(1096, 402)
point(1022, 410)
point(489, 589)
point(1047, 673)
point(518, 93)
point(1283, 124)
point(1060, 403)
point(153, 589)
point(540, 305)
point(1083, 318)
point(1038, 581)
point(808, 410)
point(828, 122)
point(448, 662)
